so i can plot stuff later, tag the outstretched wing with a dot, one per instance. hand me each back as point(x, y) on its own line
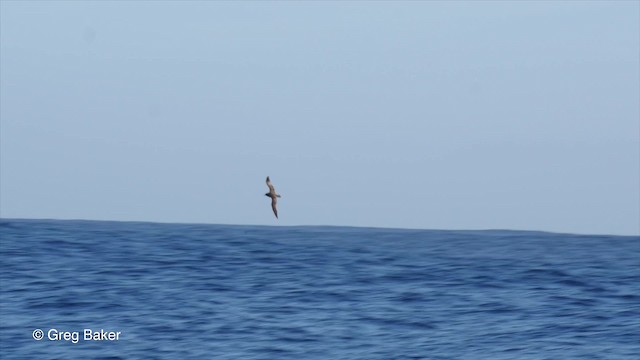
point(270, 185)
point(273, 206)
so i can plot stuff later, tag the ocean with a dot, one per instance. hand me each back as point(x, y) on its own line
point(188, 291)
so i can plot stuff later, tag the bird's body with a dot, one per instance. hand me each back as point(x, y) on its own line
point(274, 197)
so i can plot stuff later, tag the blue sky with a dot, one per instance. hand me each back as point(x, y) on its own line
point(443, 115)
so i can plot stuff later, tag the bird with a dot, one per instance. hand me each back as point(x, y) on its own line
point(273, 195)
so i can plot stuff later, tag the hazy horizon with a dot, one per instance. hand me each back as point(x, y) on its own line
point(312, 226)
point(418, 115)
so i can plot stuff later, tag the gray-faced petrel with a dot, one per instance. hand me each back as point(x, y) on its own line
point(273, 195)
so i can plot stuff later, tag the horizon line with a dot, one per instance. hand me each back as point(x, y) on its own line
point(325, 226)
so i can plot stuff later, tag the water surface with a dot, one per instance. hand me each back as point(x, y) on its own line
point(251, 292)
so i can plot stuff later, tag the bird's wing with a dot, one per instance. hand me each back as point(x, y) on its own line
point(270, 185)
point(273, 206)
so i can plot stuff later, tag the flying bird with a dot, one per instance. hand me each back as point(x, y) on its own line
point(273, 195)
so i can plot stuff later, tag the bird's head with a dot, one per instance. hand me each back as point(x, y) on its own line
point(267, 194)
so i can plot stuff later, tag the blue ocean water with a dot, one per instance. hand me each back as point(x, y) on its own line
point(253, 292)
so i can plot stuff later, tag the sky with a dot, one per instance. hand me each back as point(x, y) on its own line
point(433, 115)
